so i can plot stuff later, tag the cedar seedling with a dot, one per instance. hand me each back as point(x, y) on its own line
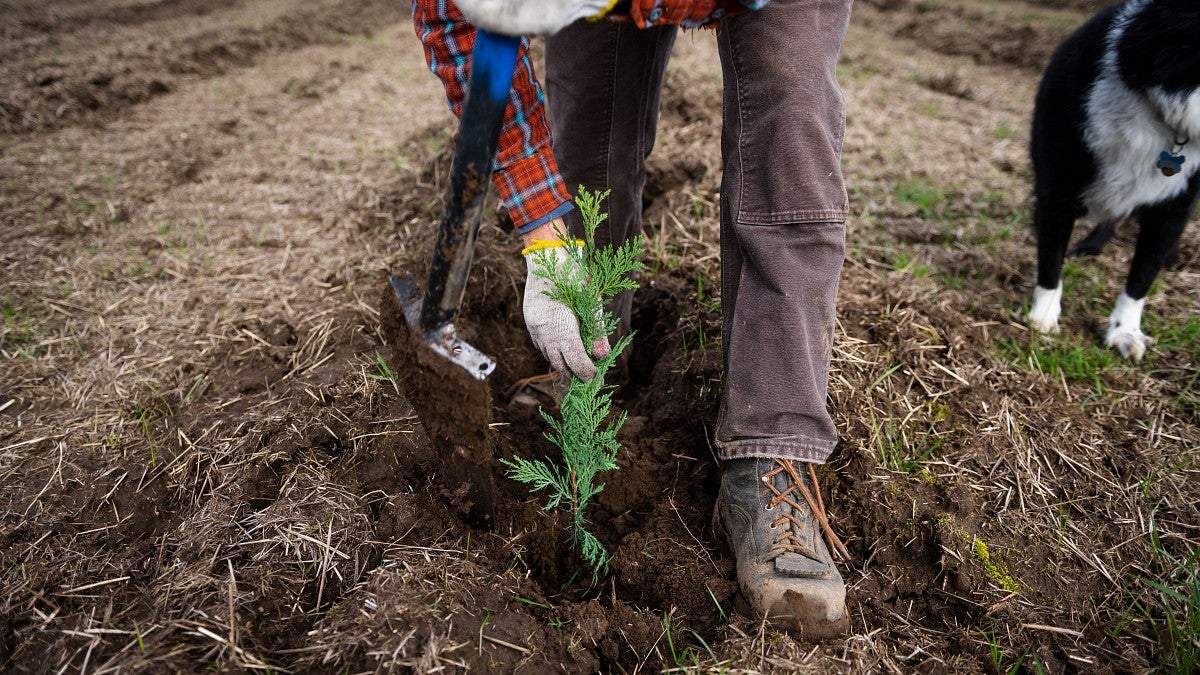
point(588, 443)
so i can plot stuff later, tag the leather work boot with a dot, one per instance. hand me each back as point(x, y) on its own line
point(784, 566)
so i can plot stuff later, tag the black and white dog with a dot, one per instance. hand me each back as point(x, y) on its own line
point(1116, 133)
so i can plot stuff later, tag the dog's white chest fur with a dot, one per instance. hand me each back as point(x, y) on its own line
point(1126, 131)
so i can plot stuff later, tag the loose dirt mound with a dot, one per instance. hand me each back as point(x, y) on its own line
point(205, 460)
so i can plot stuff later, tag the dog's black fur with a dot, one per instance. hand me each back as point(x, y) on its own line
point(1156, 44)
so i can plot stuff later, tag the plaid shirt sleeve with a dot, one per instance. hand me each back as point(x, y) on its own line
point(525, 173)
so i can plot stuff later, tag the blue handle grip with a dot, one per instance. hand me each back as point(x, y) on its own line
point(493, 61)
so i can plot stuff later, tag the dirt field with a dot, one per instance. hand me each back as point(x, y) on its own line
point(205, 466)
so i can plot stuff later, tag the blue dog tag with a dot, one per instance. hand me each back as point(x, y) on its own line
point(1169, 163)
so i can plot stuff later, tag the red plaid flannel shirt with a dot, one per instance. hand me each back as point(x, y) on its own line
point(525, 173)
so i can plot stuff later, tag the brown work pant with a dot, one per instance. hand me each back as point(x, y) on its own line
point(783, 202)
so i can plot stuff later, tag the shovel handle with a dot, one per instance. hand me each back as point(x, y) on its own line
point(493, 61)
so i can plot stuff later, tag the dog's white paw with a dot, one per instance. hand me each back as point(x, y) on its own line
point(1131, 343)
point(1044, 311)
point(1125, 328)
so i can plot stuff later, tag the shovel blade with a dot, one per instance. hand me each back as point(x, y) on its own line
point(444, 380)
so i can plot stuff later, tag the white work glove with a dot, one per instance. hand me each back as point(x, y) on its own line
point(551, 324)
point(531, 17)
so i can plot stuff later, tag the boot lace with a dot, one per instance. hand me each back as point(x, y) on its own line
point(787, 540)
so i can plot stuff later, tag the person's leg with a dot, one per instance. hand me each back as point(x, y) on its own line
point(783, 211)
point(603, 82)
point(782, 227)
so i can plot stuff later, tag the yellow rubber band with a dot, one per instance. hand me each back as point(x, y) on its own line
point(542, 244)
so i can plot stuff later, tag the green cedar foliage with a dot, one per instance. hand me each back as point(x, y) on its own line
point(588, 444)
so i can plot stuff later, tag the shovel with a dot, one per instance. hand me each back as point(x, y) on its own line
point(443, 377)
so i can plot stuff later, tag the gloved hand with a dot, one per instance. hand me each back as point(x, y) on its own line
point(531, 17)
point(551, 324)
